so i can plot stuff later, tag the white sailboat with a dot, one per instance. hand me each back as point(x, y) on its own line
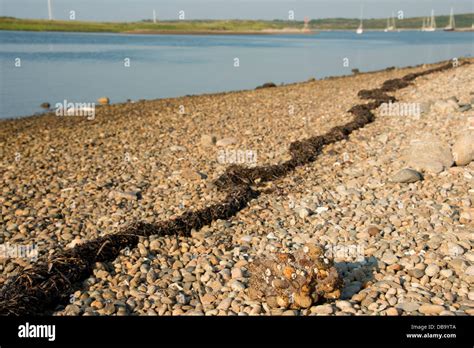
point(360, 30)
point(432, 23)
point(451, 25)
point(390, 24)
point(387, 29)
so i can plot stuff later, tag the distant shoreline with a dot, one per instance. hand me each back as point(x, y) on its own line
point(223, 27)
point(224, 32)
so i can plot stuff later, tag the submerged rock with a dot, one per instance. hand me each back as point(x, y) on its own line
point(103, 101)
point(295, 280)
point(266, 85)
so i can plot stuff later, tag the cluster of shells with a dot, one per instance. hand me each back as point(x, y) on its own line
point(296, 280)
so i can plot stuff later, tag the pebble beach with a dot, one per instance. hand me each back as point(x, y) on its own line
point(393, 205)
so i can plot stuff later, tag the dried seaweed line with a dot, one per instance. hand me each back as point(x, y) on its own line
point(39, 289)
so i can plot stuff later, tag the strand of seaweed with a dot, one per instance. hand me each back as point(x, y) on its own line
point(39, 289)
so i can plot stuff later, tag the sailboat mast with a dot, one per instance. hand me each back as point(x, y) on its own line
point(451, 19)
point(50, 11)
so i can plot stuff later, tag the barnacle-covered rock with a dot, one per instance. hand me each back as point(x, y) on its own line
point(294, 280)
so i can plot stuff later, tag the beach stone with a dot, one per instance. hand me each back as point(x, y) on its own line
point(406, 176)
point(246, 239)
point(467, 216)
point(343, 305)
point(177, 148)
point(446, 273)
point(109, 309)
point(458, 265)
point(425, 107)
point(304, 276)
point(182, 299)
point(193, 175)
point(155, 245)
point(237, 285)
point(416, 273)
point(208, 140)
point(469, 256)
point(320, 210)
point(383, 138)
point(373, 231)
point(225, 304)
point(389, 257)
point(74, 243)
point(129, 195)
point(226, 141)
point(469, 271)
point(236, 273)
point(429, 154)
point(430, 309)
point(432, 270)
point(103, 101)
point(470, 296)
point(446, 106)
point(392, 311)
point(207, 299)
point(322, 309)
point(73, 310)
point(408, 306)
point(463, 148)
point(454, 249)
point(303, 213)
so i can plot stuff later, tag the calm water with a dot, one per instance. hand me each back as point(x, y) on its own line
point(82, 67)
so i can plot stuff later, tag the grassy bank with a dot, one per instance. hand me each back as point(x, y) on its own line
point(197, 26)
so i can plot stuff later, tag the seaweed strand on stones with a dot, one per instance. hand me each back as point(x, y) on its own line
point(39, 289)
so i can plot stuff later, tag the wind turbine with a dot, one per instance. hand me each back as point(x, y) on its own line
point(154, 16)
point(50, 11)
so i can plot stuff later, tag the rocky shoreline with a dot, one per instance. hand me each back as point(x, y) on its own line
point(160, 156)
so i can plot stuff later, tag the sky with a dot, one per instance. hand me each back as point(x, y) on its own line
point(132, 10)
